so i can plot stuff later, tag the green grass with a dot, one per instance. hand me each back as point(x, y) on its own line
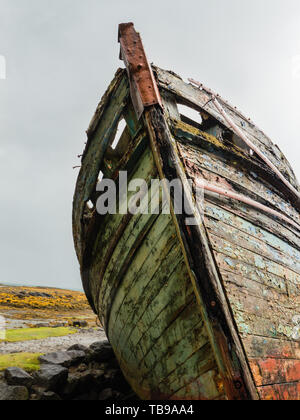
point(26, 334)
point(26, 361)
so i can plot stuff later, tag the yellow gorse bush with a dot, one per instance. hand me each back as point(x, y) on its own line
point(12, 297)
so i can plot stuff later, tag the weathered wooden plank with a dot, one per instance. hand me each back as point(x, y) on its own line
point(237, 284)
point(113, 157)
point(195, 366)
point(157, 338)
point(102, 131)
point(256, 218)
point(133, 229)
point(257, 307)
point(170, 106)
point(160, 313)
point(131, 354)
point(255, 312)
point(143, 268)
point(133, 154)
point(133, 329)
point(271, 348)
point(241, 286)
point(134, 125)
point(120, 74)
point(178, 340)
point(174, 346)
point(207, 387)
point(254, 244)
point(141, 283)
point(256, 325)
point(275, 371)
point(259, 315)
point(153, 331)
point(281, 392)
point(106, 242)
point(235, 252)
point(119, 270)
point(144, 169)
point(251, 230)
point(236, 176)
point(260, 326)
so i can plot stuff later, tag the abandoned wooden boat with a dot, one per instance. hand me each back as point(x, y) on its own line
point(201, 307)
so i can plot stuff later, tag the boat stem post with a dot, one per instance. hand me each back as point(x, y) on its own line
point(211, 297)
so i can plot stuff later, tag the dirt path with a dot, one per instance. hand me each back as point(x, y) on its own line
point(53, 344)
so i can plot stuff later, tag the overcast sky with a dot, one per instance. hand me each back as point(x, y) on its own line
point(61, 55)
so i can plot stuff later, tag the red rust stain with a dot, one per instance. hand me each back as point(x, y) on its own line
point(275, 371)
point(287, 392)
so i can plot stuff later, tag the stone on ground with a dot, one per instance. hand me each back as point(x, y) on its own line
point(17, 376)
point(51, 376)
point(13, 393)
point(63, 358)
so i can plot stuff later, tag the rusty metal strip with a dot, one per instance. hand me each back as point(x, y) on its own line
point(201, 86)
point(247, 141)
point(201, 183)
point(143, 87)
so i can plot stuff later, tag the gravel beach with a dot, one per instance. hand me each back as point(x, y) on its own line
point(53, 344)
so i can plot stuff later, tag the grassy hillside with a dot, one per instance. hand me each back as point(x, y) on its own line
point(27, 306)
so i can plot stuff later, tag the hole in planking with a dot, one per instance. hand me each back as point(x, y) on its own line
point(189, 114)
point(121, 127)
point(90, 205)
point(100, 177)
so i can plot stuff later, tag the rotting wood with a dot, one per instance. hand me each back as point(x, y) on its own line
point(237, 174)
point(195, 97)
point(252, 146)
point(232, 156)
point(100, 132)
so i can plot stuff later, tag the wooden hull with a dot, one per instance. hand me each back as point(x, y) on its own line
point(258, 261)
point(213, 316)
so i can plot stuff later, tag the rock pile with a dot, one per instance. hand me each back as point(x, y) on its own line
point(80, 373)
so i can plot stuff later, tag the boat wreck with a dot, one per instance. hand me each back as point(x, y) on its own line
point(201, 310)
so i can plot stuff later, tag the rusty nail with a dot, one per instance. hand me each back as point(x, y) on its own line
point(237, 385)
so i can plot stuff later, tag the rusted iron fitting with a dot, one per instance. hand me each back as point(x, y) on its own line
point(143, 87)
